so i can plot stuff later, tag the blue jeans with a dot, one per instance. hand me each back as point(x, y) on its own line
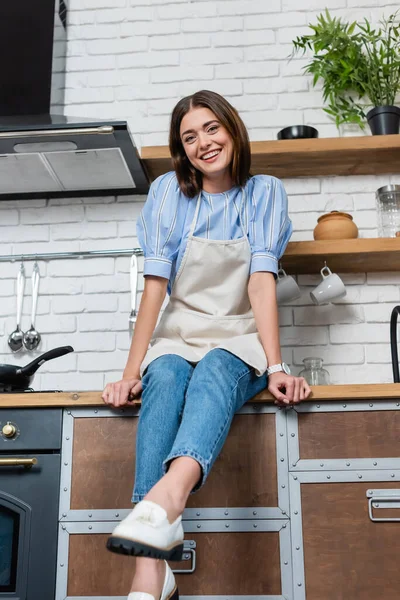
point(187, 410)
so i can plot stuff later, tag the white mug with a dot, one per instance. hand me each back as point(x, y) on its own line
point(330, 288)
point(286, 288)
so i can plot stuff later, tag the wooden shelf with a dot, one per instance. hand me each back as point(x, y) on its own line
point(376, 391)
point(344, 256)
point(366, 155)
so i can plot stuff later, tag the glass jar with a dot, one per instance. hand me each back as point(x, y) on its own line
point(313, 372)
point(388, 206)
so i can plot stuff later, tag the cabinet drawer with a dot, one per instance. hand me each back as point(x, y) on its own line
point(233, 563)
point(35, 429)
point(103, 464)
point(347, 434)
point(346, 554)
point(245, 473)
point(239, 563)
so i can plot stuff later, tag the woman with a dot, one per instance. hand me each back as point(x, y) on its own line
point(212, 236)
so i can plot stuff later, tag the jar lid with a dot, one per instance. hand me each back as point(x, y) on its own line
point(388, 188)
point(334, 213)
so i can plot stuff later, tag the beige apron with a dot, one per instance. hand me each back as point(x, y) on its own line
point(209, 306)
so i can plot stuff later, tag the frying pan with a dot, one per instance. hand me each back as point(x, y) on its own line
point(14, 377)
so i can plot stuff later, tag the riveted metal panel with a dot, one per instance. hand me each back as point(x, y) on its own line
point(327, 477)
point(259, 512)
point(68, 529)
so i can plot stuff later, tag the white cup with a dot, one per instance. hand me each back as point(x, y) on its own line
point(286, 288)
point(330, 288)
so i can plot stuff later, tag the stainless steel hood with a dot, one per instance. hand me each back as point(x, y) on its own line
point(45, 154)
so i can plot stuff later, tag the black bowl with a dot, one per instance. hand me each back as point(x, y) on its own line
point(297, 132)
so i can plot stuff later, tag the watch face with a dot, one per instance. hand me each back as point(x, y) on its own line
point(285, 368)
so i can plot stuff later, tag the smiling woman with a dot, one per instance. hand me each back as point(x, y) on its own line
point(204, 123)
point(212, 236)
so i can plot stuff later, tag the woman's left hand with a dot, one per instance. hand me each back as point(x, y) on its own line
point(288, 389)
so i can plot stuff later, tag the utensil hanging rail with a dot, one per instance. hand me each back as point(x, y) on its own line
point(79, 254)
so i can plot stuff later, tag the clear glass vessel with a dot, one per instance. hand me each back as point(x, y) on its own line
point(388, 207)
point(313, 372)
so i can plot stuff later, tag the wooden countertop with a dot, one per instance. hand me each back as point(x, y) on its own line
point(378, 391)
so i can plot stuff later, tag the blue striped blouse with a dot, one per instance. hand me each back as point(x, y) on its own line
point(164, 223)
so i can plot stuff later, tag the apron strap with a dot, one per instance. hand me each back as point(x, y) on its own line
point(196, 214)
point(244, 230)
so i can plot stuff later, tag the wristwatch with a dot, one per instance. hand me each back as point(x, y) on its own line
point(276, 368)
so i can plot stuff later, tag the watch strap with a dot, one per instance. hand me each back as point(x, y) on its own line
point(277, 368)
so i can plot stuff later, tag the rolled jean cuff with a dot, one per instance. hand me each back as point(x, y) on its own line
point(137, 497)
point(204, 464)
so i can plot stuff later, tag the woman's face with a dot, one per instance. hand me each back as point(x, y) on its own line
point(207, 143)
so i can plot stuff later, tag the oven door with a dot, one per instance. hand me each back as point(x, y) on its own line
point(28, 526)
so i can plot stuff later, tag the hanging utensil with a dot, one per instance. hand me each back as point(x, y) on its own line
point(15, 340)
point(14, 377)
point(134, 286)
point(32, 337)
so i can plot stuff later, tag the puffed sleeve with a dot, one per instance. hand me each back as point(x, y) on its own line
point(159, 226)
point(269, 225)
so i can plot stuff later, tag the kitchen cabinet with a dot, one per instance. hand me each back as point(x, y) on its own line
point(302, 503)
point(346, 554)
point(292, 510)
point(344, 464)
point(239, 519)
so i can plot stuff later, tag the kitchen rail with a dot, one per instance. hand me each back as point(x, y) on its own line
point(63, 255)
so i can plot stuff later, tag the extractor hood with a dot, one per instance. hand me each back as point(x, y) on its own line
point(44, 154)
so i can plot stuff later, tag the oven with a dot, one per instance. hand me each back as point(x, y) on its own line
point(30, 447)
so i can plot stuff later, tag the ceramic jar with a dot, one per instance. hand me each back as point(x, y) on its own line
point(335, 226)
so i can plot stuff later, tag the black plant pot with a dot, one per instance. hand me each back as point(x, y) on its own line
point(384, 120)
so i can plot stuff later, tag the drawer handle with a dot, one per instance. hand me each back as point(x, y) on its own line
point(383, 499)
point(18, 462)
point(188, 554)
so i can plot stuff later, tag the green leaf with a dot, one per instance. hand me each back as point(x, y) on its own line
point(354, 61)
point(351, 28)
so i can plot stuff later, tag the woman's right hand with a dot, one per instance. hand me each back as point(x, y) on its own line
point(122, 392)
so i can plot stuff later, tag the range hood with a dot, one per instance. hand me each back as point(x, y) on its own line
point(44, 154)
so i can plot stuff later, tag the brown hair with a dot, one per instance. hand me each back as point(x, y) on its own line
point(189, 178)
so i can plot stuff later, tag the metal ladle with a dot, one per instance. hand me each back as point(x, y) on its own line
point(15, 340)
point(32, 337)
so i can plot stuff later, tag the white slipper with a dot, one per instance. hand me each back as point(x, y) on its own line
point(169, 591)
point(147, 532)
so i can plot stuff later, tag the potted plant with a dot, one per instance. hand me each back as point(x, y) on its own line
point(359, 66)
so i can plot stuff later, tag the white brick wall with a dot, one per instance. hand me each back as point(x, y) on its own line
point(133, 60)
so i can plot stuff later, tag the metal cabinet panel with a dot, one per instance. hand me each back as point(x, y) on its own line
point(344, 436)
point(245, 561)
point(368, 434)
point(103, 463)
point(325, 476)
point(245, 473)
point(346, 554)
point(248, 479)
